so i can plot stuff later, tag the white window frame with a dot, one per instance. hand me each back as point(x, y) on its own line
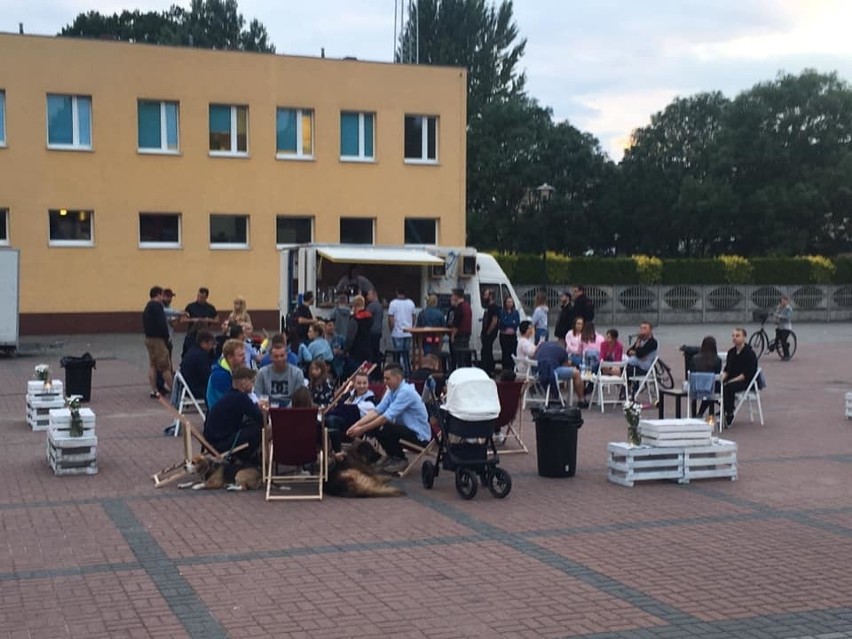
point(160, 245)
point(163, 148)
point(436, 221)
point(75, 125)
point(311, 218)
point(424, 141)
point(362, 138)
point(233, 152)
point(6, 241)
point(230, 246)
point(3, 117)
point(72, 243)
point(354, 217)
point(300, 129)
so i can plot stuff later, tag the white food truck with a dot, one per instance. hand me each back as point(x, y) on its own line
point(420, 270)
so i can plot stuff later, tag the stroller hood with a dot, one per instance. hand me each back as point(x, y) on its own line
point(472, 395)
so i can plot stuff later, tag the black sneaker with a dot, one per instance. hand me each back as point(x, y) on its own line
point(583, 404)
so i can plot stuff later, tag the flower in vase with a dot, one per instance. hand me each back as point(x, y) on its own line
point(633, 414)
point(42, 372)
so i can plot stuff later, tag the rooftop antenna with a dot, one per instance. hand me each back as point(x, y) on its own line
point(322, 52)
point(21, 28)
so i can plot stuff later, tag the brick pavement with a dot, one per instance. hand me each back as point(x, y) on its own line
point(110, 556)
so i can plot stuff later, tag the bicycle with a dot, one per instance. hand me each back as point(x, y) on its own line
point(760, 341)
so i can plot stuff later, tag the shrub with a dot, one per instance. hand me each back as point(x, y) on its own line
point(822, 269)
point(738, 270)
point(649, 269)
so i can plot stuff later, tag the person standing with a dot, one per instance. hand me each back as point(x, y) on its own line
point(375, 308)
point(460, 320)
point(304, 317)
point(431, 317)
point(156, 329)
point(566, 317)
point(583, 306)
point(199, 314)
point(740, 368)
point(783, 326)
point(400, 318)
point(490, 322)
point(539, 317)
point(509, 322)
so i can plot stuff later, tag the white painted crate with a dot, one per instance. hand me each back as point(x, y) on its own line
point(60, 421)
point(38, 410)
point(628, 464)
point(848, 405)
point(37, 387)
point(675, 432)
point(72, 455)
point(706, 462)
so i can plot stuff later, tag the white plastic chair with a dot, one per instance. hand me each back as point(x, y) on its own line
point(693, 381)
point(604, 382)
point(534, 394)
point(751, 395)
point(185, 400)
point(647, 382)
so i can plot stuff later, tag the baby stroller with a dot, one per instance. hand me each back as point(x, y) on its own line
point(466, 445)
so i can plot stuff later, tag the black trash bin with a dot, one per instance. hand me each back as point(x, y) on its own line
point(688, 353)
point(78, 375)
point(556, 440)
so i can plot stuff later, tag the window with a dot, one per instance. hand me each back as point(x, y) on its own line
point(421, 230)
point(293, 230)
point(356, 136)
point(228, 231)
point(294, 133)
point(228, 130)
point(69, 122)
point(70, 227)
point(2, 118)
point(4, 227)
point(159, 230)
point(421, 135)
point(356, 230)
point(158, 126)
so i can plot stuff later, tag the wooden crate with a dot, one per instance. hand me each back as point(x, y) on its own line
point(72, 455)
point(628, 464)
point(60, 421)
point(38, 410)
point(37, 387)
point(848, 405)
point(706, 462)
point(675, 432)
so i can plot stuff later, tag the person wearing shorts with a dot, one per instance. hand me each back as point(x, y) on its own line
point(156, 330)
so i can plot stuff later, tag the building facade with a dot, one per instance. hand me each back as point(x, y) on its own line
point(124, 165)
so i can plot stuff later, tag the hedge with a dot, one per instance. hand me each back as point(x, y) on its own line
point(726, 269)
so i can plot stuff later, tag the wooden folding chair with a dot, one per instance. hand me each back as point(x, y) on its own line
point(511, 411)
point(421, 451)
point(185, 400)
point(294, 443)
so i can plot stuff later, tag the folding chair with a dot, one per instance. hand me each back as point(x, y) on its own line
point(185, 400)
point(294, 443)
point(525, 369)
point(510, 394)
point(603, 382)
point(557, 385)
point(701, 387)
point(647, 382)
point(421, 451)
point(751, 395)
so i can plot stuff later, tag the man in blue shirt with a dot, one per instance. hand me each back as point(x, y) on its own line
point(236, 419)
point(400, 415)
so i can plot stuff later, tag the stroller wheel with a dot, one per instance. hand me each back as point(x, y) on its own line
point(466, 483)
point(427, 474)
point(501, 483)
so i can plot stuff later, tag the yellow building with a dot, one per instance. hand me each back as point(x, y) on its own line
point(123, 166)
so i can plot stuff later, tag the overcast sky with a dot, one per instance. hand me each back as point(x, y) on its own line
point(604, 65)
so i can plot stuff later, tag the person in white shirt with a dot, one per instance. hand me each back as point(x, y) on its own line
point(526, 348)
point(401, 317)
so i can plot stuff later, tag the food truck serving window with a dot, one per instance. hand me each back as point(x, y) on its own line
point(374, 255)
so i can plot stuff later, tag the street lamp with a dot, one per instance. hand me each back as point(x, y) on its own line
point(543, 195)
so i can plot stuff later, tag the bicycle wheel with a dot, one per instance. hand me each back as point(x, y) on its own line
point(664, 375)
point(757, 341)
point(791, 347)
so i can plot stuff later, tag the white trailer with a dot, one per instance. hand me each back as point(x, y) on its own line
point(9, 299)
point(421, 271)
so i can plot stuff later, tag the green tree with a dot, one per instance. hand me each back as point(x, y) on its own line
point(211, 24)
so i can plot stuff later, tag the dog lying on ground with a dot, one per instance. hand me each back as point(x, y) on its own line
point(351, 475)
point(217, 475)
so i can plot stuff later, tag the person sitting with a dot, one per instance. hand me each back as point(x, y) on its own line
point(302, 398)
point(252, 355)
point(279, 379)
point(552, 359)
point(196, 363)
point(591, 341)
point(740, 369)
point(526, 347)
point(358, 403)
point(612, 351)
point(236, 419)
point(401, 415)
point(431, 317)
point(706, 360)
point(358, 346)
point(321, 387)
point(428, 367)
point(276, 340)
point(317, 346)
point(574, 341)
point(641, 355)
point(220, 380)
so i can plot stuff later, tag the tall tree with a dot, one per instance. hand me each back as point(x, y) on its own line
point(212, 24)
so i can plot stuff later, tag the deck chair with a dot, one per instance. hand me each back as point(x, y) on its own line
point(604, 382)
point(701, 387)
point(511, 412)
point(751, 395)
point(647, 383)
point(421, 451)
point(185, 401)
point(294, 443)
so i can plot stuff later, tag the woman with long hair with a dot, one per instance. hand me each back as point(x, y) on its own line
point(539, 317)
point(574, 341)
point(240, 316)
point(508, 322)
point(707, 360)
point(319, 383)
